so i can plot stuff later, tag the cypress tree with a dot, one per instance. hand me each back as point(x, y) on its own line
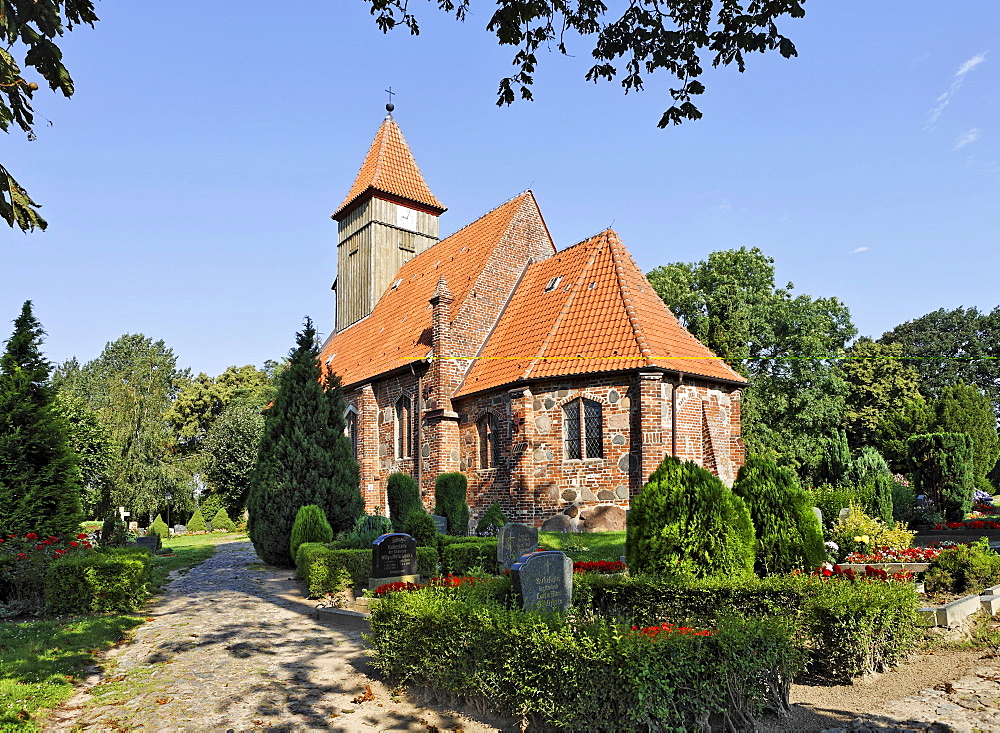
point(963, 408)
point(304, 456)
point(39, 475)
point(687, 520)
point(404, 497)
point(788, 532)
point(450, 502)
point(942, 465)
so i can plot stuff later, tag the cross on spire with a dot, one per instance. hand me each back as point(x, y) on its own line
point(390, 107)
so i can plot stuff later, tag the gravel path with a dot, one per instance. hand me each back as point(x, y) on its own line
point(231, 645)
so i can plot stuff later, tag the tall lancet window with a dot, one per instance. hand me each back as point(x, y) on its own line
point(351, 431)
point(488, 446)
point(404, 428)
point(583, 429)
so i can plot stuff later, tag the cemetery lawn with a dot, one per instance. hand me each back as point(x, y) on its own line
point(41, 660)
point(585, 546)
point(189, 550)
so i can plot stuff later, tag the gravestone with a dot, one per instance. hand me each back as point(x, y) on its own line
point(180, 528)
point(394, 560)
point(133, 526)
point(543, 581)
point(819, 515)
point(844, 513)
point(151, 543)
point(515, 540)
point(441, 523)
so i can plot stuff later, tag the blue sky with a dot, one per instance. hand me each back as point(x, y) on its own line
point(188, 184)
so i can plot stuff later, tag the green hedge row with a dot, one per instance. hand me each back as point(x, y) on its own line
point(850, 628)
point(319, 566)
point(565, 672)
point(106, 581)
point(459, 558)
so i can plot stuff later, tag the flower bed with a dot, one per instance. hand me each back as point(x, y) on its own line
point(888, 554)
point(448, 581)
point(606, 567)
point(971, 524)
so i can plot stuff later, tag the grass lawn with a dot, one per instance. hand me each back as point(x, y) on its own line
point(585, 546)
point(41, 660)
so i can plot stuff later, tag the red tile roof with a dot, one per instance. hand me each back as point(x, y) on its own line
point(390, 168)
point(587, 309)
point(398, 329)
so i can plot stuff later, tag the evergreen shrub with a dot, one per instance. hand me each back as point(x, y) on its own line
point(942, 466)
point(310, 526)
point(404, 496)
point(450, 502)
point(114, 531)
point(964, 569)
point(870, 470)
point(159, 528)
point(686, 519)
point(904, 503)
point(542, 667)
point(197, 521)
point(106, 581)
point(222, 521)
point(421, 527)
point(210, 506)
point(789, 535)
point(859, 532)
point(492, 521)
point(459, 558)
point(320, 567)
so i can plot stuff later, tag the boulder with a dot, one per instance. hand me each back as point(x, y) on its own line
point(603, 519)
point(558, 523)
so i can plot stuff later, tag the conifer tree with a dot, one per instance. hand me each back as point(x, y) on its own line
point(788, 532)
point(304, 457)
point(39, 475)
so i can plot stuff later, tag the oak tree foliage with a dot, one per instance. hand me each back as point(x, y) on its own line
point(630, 41)
point(29, 29)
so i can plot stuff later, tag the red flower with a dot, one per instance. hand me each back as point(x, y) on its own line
point(30, 536)
point(74, 543)
point(82, 536)
point(22, 556)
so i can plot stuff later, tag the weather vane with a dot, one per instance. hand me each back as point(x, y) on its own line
point(390, 107)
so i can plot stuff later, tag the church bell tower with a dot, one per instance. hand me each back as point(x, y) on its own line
point(388, 217)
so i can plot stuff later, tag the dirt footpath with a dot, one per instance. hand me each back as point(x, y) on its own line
point(232, 646)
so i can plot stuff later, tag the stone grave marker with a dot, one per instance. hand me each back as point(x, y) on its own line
point(543, 581)
point(133, 526)
point(844, 513)
point(819, 514)
point(441, 523)
point(515, 540)
point(148, 542)
point(394, 560)
point(180, 528)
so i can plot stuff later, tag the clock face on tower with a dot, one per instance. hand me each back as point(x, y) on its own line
point(406, 218)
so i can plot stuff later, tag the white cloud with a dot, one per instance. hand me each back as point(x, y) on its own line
point(966, 138)
point(859, 249)
point(956, 84)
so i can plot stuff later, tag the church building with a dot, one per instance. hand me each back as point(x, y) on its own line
point(556, 380)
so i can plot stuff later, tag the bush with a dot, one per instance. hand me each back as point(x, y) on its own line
point(904, 503)
point(964, 569)
point(404, 496)
point(686, 518)
point(222, 521)
point(862, 533)
point(849, 628)
point(942, 465)
point(459, 558)
point(114, 532)
point(197, 521)
point(421, 527)
point(788, 534)
point(492, 521)
point(321, 566)
point(871, 471)
point(831, 499)
point(367, 529)
point(450, 502)
point(310, 526)
point(159, 528)
point(545, 667)
point(106, 581)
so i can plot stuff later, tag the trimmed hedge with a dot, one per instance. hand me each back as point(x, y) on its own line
point(458, 558)
point(421, 527)
point(159, 528)
point(106, 581)
point(547, 667)
point(197, 521)
point(310, 525)
point(403, 495)
point(319, 566)
point(851, 628)
point(221, 520)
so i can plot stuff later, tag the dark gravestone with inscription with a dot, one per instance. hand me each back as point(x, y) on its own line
point(543, 581)
point(441, 523)
point(151, 543)
point(394, 559)
point(515, 540)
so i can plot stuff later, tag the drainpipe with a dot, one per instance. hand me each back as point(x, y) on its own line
point(673, 414)
point(419, 415)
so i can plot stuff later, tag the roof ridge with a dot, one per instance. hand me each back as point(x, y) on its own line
point(566, 304)
point(623, 289)
point(380, 157)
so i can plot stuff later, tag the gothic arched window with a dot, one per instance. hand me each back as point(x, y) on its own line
point(351, 431)
point(489, 450)
point(404, 428)
point(583, 429)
